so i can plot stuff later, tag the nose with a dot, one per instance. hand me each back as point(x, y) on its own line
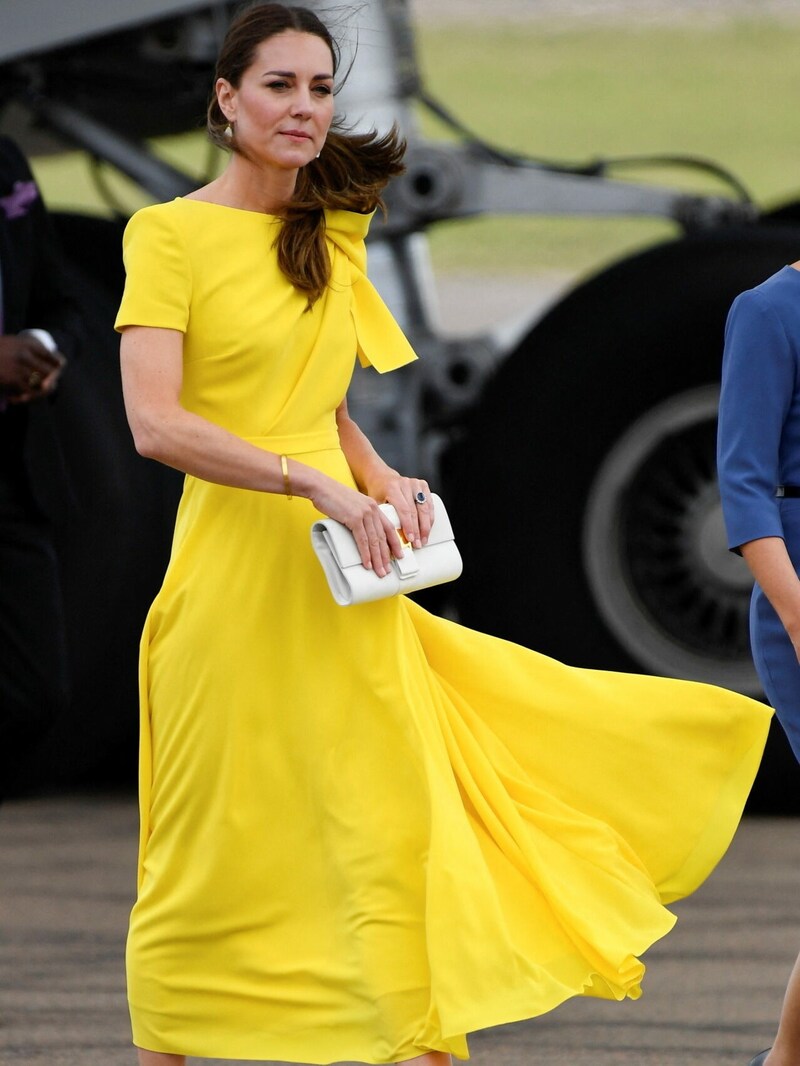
point(302, 102)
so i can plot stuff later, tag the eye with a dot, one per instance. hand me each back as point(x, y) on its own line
point(323, 90)
point(278, 85)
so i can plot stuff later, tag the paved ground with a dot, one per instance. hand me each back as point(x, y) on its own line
point(469, 303)
point(712, 993)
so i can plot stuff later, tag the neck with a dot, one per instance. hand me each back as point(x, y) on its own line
point(244, 185)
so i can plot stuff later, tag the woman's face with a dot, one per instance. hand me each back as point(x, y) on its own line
point(283, 106)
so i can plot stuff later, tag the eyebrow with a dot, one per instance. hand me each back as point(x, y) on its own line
point(291, 74)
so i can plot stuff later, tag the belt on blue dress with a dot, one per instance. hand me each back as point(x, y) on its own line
point(790, 491)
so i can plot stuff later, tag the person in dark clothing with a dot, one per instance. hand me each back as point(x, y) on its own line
point(39, 329)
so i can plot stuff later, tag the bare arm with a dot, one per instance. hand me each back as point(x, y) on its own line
point(772, 568)
point(378, 480)
point(152, 376)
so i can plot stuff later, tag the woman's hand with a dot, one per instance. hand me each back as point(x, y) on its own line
point(793, 632)
point(384, 484)
point(411, 498)
point(374, 534)
point(771, 566)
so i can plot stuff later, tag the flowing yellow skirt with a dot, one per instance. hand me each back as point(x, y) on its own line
point(368, 831)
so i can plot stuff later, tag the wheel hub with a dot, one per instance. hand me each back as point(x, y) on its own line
point(655, 551)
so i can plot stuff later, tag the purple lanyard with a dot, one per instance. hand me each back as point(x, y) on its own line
point(3, 402)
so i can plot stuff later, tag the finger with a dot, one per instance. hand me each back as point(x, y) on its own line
point(38, 382)
point(30, 378)
point(394, 544)
point(37, 357)
point(35, 344)
point(371, 541)
point(375, 555)
point(33, 382)
point(424, 511)
point(363, 545)
point(409, 516)
point(51, 380)
point(411, 528)
point(407, 512)
point(50, 361)
point(379, 542)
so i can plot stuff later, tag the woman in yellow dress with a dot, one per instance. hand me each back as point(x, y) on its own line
point(366, 831)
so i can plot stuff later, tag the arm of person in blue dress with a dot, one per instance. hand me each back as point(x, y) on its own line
point(152, 377)
point(384, 484)
point(758, 385)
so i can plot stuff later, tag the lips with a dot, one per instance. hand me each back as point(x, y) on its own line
point(296, 135)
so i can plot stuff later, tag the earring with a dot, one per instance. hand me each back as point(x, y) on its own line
point(319, 154)
point(227, 133)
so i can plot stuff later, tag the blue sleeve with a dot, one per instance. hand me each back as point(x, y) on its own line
point(758, 384)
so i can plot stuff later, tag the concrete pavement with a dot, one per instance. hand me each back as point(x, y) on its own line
point(712, 994)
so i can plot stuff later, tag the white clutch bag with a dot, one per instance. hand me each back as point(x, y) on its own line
point(420, 568)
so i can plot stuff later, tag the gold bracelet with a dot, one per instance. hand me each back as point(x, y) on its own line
point(287, 485)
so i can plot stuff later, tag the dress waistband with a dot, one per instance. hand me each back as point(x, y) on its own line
point(298, 443)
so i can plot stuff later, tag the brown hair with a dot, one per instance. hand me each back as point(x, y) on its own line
point(351, 172)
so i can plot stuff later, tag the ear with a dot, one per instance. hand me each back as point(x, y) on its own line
point(226, 98)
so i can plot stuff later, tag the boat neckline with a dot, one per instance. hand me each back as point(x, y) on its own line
point(228, 207)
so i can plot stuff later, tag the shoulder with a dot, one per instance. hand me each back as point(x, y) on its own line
point(159, 216)
point(762, 333)
point(771, 309)
point(156, 228)
point(157, 242)
point(777, 295)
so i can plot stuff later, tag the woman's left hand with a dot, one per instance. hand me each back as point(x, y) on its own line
point(411, 498)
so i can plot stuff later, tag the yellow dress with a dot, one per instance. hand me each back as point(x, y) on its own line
point(367, 831)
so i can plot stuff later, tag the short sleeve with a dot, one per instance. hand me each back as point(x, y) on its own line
point(758, 384)
point(157, 272)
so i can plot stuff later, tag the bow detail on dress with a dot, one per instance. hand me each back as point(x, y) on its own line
point(381, 342)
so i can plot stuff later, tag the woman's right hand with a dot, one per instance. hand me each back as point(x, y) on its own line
point(773, 569)
point(793, 632)
point(374, 534)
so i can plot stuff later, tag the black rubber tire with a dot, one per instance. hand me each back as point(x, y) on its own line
point(112, 538)
point(520, 475)
point(785, 214)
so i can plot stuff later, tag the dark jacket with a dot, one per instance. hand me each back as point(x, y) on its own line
point(36, 294)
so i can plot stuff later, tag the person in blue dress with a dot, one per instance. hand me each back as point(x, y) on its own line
point(759, 475)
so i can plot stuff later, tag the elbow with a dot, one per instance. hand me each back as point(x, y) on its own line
point(344, 422)
point(149, 439)
point(147, 446)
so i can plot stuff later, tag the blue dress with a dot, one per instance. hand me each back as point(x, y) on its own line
point(759, 449)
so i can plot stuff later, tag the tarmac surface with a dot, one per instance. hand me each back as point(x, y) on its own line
point(711, 997)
